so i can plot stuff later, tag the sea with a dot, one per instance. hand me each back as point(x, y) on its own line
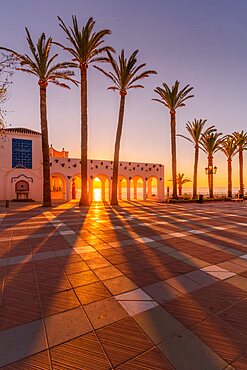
point(218, 191)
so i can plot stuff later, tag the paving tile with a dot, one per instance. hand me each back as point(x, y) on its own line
point(84, 352)
point(201, 278)
point(178, 350)
point(144, 240)
point(196, 262)
point(232, 267)
point(119, 285)
point(236, 316)
point(66, 325)
point(161, 292)
point(123, 340)
point(74, 268)
point(196, 232)
point(92, 293)
point(166, 249)
point(177, 235)
point(240, 262)
point(183, 284)
point(135, 307)
point(240, 363)
point(21, 341)
point(97, 263)
point(84, 249)
point(104, 312)
point(186, 310)
point(83, 278)
point(216, 297)
point(59, 302)
point(222, 338)
point(134, 295)
point(67, 232)
point(108, 272)
point(218, 272)
point(152, 359)
point(39, 361)
point(63, 252)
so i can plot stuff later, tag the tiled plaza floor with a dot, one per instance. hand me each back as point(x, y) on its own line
point(140, 286)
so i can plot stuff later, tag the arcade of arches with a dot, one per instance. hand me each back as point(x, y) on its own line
point(99, 188)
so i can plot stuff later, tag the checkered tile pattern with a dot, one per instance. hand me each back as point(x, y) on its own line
point(138, 286)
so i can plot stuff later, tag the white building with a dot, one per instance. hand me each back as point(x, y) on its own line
point(21, 172)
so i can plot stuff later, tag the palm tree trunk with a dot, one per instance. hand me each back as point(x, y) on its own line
point(114, 199)
point(174, 159)
point(241, 166)
point(180, 191)
point(84, 136)
point(229, 167)
point(45, 147)
point(210, 176)
point(195, 172)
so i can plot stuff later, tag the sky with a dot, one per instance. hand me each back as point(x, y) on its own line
point(200, 43)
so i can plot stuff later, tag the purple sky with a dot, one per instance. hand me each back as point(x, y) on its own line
point(201, 43)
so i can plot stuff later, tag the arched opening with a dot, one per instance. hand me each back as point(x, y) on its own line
point(76, 187)
point(100, 189)
point(122, 188)
point(152, 187)
point(22, 189)
point(58, 187)
point(136, 188)
point(97, 190)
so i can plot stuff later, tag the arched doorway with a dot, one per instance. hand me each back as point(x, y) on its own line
point(58, 187)
point(97, 190)
point(152, 187)
point(100, 188)
point(136, 188)
point(76, 187)
point(22, 189)
point(122, 188)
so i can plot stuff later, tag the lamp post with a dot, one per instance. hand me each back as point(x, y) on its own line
point(210, 171)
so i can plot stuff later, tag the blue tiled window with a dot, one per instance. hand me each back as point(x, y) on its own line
point(21, 153)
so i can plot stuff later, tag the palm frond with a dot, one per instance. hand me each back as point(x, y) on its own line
point(85, 45)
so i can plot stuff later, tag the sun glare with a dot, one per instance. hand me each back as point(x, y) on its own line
point(97, 195)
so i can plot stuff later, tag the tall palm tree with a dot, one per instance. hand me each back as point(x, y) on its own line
point(86, 47)
point(41, 64)
point(229, 147)
point(181, 180)
point(125, 75)
point(173, 98)
point(241, 138)
point(210, 144)
point(195, 130)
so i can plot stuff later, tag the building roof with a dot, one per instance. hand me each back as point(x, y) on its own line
point(22, 130)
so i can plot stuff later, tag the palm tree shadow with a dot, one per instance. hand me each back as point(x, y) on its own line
point(31, 288)
point(147, 266)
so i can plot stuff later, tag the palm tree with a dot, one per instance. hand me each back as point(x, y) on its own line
point(241, 138)
point(40, 64)
point(210, 144)
point(173, 98)
point(125, 75)
point(86, 47)
point(195, 130)
point(229, 147)
point(181, 180)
